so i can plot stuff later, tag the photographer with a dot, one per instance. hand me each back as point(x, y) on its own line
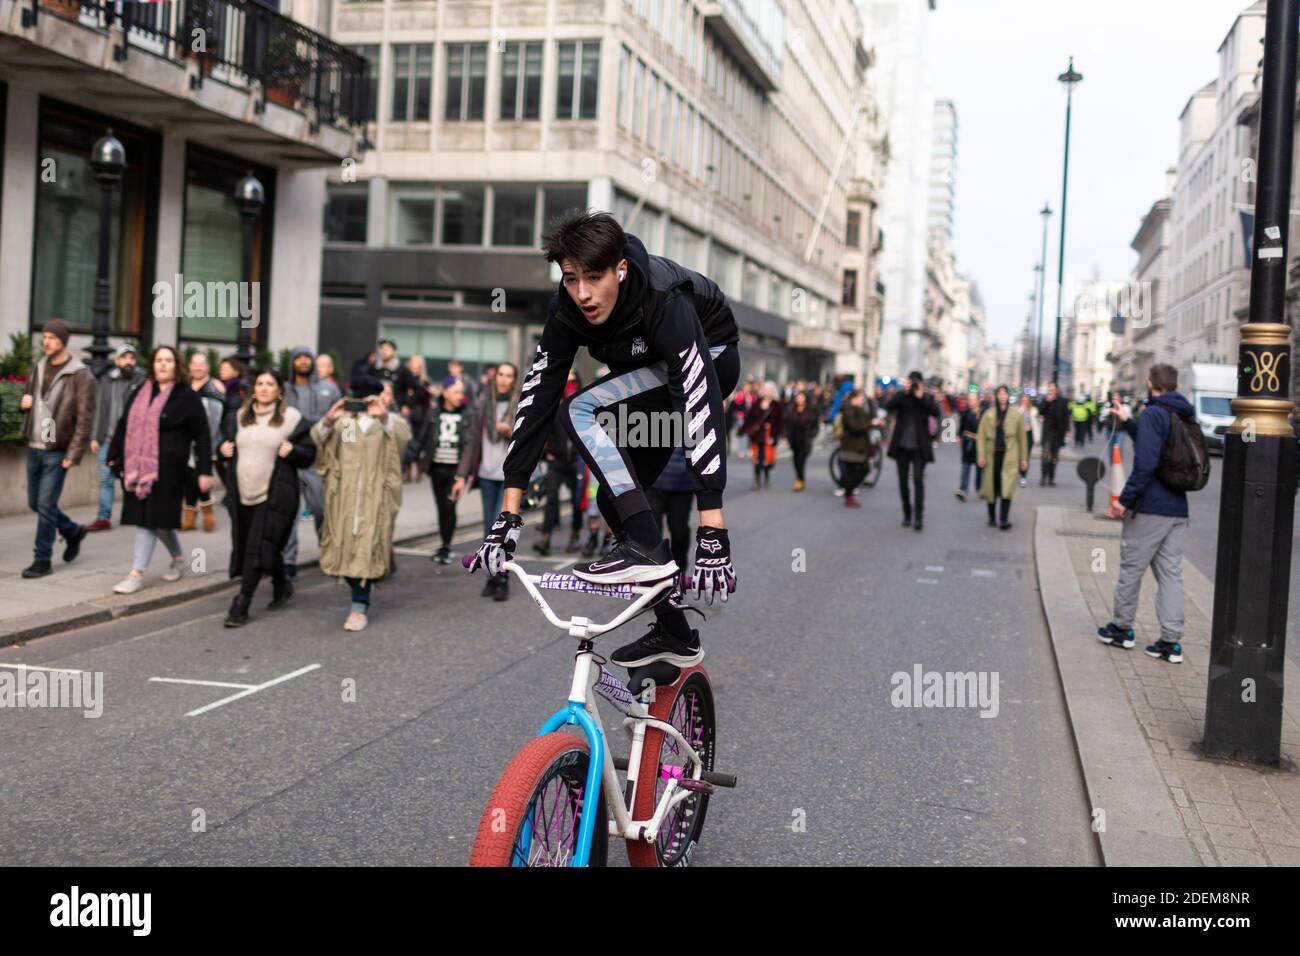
point(911, 447)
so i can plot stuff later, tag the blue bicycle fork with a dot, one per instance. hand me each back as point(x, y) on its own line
point(576, 713)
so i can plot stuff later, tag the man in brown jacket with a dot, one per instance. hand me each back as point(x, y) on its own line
point(60, 406)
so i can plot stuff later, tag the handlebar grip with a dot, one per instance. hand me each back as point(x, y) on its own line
point(466, 561)
point(719, 779)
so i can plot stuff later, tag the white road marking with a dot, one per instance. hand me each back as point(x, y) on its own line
point(934, 568)
point(37, 667)
point(983, 573)
point(246, 690)
point(927, 580)
point(201, 683)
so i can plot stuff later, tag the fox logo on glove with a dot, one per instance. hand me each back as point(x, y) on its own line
point(708, 544)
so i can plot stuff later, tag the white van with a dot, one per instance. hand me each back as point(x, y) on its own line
point(1211, 389)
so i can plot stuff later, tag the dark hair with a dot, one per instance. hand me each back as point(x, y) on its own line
point(496, 368)
point(591, 240)
point(389, 342)
point(1164, 378)
point(234, 362)
point(247, 416)
point(182, 373)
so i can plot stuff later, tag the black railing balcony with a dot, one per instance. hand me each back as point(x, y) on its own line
point(235, 41)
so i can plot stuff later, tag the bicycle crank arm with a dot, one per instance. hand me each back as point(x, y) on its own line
point(709, 776)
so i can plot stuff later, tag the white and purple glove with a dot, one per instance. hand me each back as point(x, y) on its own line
point(498, 546)
point(713, 572)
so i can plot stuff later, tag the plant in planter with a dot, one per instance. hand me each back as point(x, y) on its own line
point(202, 36)
point(282, 68)
point(67, 8)
point(14, 368)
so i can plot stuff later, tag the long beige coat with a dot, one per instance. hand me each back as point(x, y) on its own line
point(362, 477)
point(1013, 427)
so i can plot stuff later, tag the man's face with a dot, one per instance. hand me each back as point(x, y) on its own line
point(51, 344)
point(1051, 392)
point(386, 396)
point(386, 352)
point(455, 368)
point(302, 365)
point(126, 362)
point(198, 367)
point(594, 293)
point(324, 366)
point(453, 395)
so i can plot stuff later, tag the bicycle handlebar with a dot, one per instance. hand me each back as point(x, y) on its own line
point(640, 595)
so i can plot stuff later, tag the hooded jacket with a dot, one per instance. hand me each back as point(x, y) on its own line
point(1143, 491)
point(315, 398)
point(664, 313)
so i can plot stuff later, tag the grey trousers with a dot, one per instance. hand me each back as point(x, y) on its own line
point(313, 496)
point(1155, 541)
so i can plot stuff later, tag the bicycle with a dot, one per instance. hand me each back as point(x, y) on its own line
point(539, 813)
point(875, 460)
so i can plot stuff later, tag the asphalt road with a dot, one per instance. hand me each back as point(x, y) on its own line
point(449, 684)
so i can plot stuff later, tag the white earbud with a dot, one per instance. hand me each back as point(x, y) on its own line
point(621, 274)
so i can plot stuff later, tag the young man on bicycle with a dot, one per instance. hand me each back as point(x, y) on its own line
point(670, 341)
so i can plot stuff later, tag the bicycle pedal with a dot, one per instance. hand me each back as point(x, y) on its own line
point(696, 786)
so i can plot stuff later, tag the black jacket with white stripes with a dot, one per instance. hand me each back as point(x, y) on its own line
point(665, 312)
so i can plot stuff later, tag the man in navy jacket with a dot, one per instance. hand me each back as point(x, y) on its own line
point(1155, 523)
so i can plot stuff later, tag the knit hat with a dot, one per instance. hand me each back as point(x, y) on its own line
point(60, 328)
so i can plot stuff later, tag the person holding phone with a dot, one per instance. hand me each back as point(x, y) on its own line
point(911, 447)
point(359, 446)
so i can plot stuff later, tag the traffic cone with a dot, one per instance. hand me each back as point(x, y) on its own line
point(1116, 473)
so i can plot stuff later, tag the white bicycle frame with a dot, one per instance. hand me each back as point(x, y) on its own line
point(581, 711)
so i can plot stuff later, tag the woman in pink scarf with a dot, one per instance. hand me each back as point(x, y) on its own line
point(162, 421)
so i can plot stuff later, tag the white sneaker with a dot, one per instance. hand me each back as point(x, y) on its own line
point(173, 572)
point(129, 585)
point(356, 622)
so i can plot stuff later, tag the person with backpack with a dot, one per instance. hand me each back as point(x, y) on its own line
point(1169, 459)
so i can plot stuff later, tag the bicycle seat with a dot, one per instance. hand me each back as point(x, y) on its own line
point(658, 674)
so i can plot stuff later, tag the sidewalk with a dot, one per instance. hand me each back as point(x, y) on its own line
point(81, 593)
point(1138, 721)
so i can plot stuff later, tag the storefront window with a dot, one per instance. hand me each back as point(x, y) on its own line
point(67, 225)
point(212, 250)
point(476, 347)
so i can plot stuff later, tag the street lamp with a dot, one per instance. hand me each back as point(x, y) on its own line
point(1070, 78)
point(1046, 213)
point(1243, 704)
point(108, 159)
point(250, 197)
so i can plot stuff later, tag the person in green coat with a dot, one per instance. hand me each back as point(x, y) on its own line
point(1000, 442)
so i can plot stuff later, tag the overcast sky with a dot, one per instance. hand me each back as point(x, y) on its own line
point(998, 61)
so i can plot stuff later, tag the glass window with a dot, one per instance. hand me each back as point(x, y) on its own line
point(624, 58)
point(371, 54)
point(412, 82)
point(466, 81)
point(462, 215)
point(849, 296)
point(345, 213)
point(66, 249)
point(212, 251)
point(685, 245)
point(652, 111)
point(576, 86)
point(560, 199)
point(753, 278)
point(521, 81)
point(638, 88)
point(400, 99)
point(724, 268)
point(476, 348)
point(514, 209)
point(853, 229)
point(413, 211)
point(670, 133)
point(422, 94)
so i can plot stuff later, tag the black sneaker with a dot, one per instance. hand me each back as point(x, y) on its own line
point(1116, 636)
point(629, 563)
point(659, 645)
point(1166, 651)
point(73, 543)
point(502, 590)
point(907, 521)
point(291, 572)
point(280, 596)
point(442, 556)
point(37, 569)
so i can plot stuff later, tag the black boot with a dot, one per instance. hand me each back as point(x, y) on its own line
point(502, 592)
point(238, 614)
point(993, 518)
point(281, 591)
point(1005, 506)
point(573, 545)
point(543, 546)
point(916, 525)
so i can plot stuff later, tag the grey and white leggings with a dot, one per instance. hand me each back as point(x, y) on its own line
point(145, 538)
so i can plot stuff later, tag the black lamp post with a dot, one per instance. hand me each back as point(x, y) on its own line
point(1070, 78)
point(108, 159)
point(250, 197)
point(1046, 213)
point(1252, 572)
